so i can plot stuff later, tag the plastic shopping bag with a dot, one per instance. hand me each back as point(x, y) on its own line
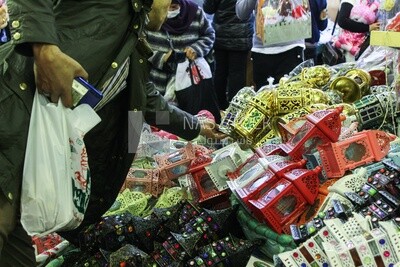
point(195, 88)
point(280, 21)
point(186, 74)
point(56, 176)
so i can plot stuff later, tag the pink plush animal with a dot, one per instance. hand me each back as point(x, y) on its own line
point(363, 13)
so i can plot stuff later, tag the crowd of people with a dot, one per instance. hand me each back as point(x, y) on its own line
point(139, 42)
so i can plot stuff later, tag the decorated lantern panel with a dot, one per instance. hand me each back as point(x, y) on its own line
point(362, 148)
point(238, 103)
point(262, 183)
point(205, 186)
point(145, 180)
point(176, 163)
point(321, 127)
point(280, 205)
point(224, 161)
point(374, 109)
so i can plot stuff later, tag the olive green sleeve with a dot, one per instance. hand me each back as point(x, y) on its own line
point(31, 21)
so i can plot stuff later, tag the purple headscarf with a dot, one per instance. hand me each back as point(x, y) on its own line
point(179, 24)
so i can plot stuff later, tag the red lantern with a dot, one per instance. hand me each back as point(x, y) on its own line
point(176, 163)
point(287, 199)
point(144, 180)
point(357, 150)
point(322, 126)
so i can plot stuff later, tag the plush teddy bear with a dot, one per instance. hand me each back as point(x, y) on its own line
point(351, 41)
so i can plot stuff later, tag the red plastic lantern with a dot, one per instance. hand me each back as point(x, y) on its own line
point(322, 126)
point(287, 199)
point(361, 148)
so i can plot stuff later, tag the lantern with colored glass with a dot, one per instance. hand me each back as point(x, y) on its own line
point(322, 126)
point(237, 104)
point(254, 124)
point(361, 148)
point(287, 199)
point(373, 110)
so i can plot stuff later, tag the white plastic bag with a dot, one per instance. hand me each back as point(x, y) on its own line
point(184, 77)
point(56, 177)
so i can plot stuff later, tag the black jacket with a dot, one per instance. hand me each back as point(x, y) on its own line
point(98, 39)
point(231, 33)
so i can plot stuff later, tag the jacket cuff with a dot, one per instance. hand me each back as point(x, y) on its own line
point(33, 27)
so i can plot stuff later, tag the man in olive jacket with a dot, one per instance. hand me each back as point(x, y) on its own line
point(53, 42)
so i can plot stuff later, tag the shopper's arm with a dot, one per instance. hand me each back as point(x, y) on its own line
point(244, 8)
point(322, 21)
point(345, 22)
point(36, 23)
point(206, 39)
point(34, 33)
point(174, 120)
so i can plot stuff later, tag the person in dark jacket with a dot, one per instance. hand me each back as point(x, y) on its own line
point(232, 46)
point(53, 42)
point(319, 22)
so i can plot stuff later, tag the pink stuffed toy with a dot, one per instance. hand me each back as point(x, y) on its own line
point(351, 41)
point(364, 13)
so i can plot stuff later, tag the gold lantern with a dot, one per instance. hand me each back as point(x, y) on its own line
point(353, 85)
point(317, 76)
point(255, 122)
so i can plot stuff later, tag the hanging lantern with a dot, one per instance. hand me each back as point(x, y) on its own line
point(321, 127)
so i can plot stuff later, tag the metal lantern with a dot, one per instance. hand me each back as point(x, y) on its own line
point(373, 110)
point(254, 123)
point(255, 117)
point(238, 103)
point(287, 198)
point(317, 76)
point(353, 85)
point(279, 122)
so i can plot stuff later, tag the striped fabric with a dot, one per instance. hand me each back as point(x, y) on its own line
point(200, 36)
point(114, 85)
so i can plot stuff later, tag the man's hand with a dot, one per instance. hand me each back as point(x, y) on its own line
point(209, 129)
point(3, 15)
point(54, 72)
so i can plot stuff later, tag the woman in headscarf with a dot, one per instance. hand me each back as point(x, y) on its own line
point(186, 33)
point(187, 30)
